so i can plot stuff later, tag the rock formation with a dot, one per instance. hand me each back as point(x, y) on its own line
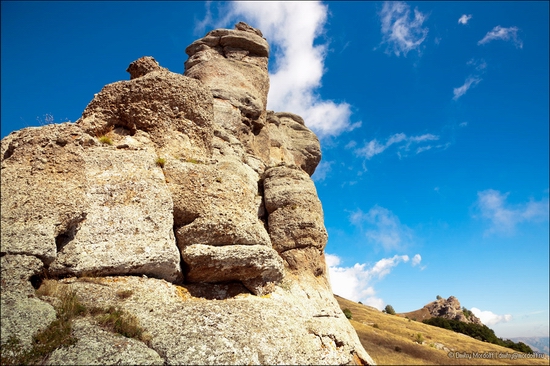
point(450, 309)
point(185, 194)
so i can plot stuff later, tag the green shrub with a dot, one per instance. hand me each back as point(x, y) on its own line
point(419, 338)
point(347, 313)
point(389, 310)
point(105, 140)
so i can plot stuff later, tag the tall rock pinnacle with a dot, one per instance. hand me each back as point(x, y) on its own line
point(179, 190)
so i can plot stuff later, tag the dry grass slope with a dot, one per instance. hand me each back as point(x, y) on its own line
point(392, 340)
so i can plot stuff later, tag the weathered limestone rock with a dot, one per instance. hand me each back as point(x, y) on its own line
point(143, 66)
point(216, 204)
point(295, 212)
point(450, 309)
point(168, 106)
point(190, 180)
point(21, 312)
point(127, 227)
point(292, 142)
point(83, 208)
point(254, 265)
point(297, 324)
point(96, 346)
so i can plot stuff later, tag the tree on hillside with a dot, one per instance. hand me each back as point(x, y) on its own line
point(389, 310)
point(438, 297)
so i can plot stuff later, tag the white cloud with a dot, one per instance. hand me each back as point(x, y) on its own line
point(291, 29)
point(503, 216)
point(401, 33)
point(489, 318)
point(505, 34)
point(383, 227)
point(464, 19)
point(356, 283)
point(416, 259)
point(374, 147)
point(460, 91)
point(480, 64)
point(321, 171)
point(463, 124)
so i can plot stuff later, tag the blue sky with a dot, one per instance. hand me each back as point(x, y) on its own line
point(433, 119)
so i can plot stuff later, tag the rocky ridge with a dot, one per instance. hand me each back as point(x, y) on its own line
point(187, 194)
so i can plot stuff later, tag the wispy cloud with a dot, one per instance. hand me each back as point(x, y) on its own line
point(356, 283)
point(489, 318)
point(322, 170)
point(292, 30)
point(383, 227)
point(461, 90)
point(504, 216)
point(401, 32)
point(479, 65)
point(374, 147)
point(464, 19)
point(504, 34)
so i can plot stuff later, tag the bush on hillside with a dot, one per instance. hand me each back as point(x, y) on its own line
point(389, 310)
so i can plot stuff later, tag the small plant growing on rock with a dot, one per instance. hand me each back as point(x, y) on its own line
point(56, 335)
point(347, 313)
point(106, 140)
point(419, 338)
point(121, 322)
point(160, 162)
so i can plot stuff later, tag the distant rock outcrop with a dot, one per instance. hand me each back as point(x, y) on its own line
point(444, 308)
point(186, 194)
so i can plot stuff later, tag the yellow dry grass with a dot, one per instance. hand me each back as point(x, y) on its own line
point(390, 340)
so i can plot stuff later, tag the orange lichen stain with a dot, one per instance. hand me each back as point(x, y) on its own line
point(183, 293)
point(266, 296)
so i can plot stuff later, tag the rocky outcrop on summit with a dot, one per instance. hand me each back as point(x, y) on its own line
point(186, 195)
point(450, 309)
point(444, 308)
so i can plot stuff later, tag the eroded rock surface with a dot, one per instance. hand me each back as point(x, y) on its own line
point(188, 181)
point(450, 309)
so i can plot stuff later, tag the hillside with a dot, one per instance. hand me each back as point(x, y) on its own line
point(538, 344)
point(391, 339)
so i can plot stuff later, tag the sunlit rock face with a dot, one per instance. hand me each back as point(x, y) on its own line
point(180, 191)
